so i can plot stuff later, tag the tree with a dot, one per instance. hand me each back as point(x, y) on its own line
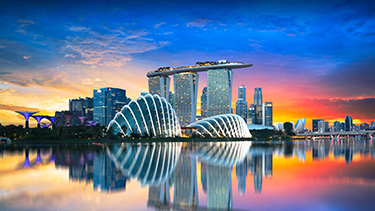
point(288, 127)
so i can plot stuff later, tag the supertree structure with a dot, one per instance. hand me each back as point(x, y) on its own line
point(27, 115)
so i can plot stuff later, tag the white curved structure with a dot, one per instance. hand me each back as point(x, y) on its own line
point(225, 125)
point(149, 115)
point(300, 125)
point(223, 153)
point(279, 126)
point(152, 163)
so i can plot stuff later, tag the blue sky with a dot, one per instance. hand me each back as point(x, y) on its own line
point(315, 50)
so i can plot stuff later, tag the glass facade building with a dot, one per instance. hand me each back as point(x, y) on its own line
point(258, 98)
point(107, 102)
point(219, 97)
point(84, 107)
point(159, 85)
point(267, 114)
point(185, 92)
point(150, 116)
point(204, 103)
point(348, 123)
point(258, 114)
point(241, 104)
point(315, 124)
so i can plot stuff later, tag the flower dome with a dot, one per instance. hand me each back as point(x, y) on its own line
point(149, 115)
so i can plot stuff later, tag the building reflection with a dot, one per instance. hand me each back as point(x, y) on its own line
point(171, 169)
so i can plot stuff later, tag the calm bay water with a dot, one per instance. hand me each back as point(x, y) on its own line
point(308, 175)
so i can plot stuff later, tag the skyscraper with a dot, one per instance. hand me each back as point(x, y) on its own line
point(204, 103)
point(267, 114)
point(159, 85)
point(258, 114)
point(251, 114)
point(241, 104)
point(107, 102)
point(258, 98)
point(82, 106)
point(315, 124)
point(336, 126)
point(323, 126)
point(219, 97)
point(348, 123)
point(185, 89)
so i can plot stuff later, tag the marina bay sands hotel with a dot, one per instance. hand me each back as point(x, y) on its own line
point(219, 87)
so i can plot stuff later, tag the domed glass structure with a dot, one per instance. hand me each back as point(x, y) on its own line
point(225, 125)
point(148, 115)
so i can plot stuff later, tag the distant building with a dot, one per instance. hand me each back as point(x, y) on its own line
point(83, 107)
point(185, 89)
point(315, 124)
point(219, 97)
point(204, 103)
point(241, 104)
point(267, 114)
point(258, 99)
point(336, 126)
point(342, 126)
point(372, 123)
point(259, 114)
point(241, 173)
point(348, 123)
point(251, 114)
point(107, 102)
point(323, 126)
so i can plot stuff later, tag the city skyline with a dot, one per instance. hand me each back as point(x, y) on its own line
point(52, 53)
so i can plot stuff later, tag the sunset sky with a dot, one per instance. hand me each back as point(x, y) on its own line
point(313, 59)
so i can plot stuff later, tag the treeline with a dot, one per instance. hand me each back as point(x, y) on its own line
point(75, 132)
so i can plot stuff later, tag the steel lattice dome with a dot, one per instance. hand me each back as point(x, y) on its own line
point(149, 115)
point(225, 125)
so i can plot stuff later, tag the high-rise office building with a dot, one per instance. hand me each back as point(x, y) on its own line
point(258, 99)
point(186, 89)
point(107, 102)
point(251, 114)
point(159, 85)
point(315, 124)
point(241, 104)
point(171, 99)
point(83, 107)
point(336, 126)
point(258, 114)
point(219, 97)
point(372, 124)
point(267, 114)
point(204, 103)
point(348, 123)
point(342, 126)
point(323, 126)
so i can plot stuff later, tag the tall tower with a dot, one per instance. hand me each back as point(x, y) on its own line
point(159, 85)
point(186, 89)
point(267, 114)
point(107, 102)
point(241, 104)
point(219, 97)
point(348, 123)
point(204, 103)
point(258, 99)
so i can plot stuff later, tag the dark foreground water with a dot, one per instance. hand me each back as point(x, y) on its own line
point(299, 175)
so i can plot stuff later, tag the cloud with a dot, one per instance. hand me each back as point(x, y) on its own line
point(159, 24)
point(17, 108)
point(5, 73)
point(6, 91)
point(109, 48)
point(198, 23)
point(26, 57)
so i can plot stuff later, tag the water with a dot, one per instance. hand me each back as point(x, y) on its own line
point(308, 175)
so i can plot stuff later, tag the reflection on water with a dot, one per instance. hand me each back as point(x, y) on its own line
point(183, 175)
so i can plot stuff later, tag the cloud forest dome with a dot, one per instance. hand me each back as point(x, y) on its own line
point(225, 125)
point(149, 115)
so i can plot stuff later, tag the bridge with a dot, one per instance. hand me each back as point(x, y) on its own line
point(338, 135)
